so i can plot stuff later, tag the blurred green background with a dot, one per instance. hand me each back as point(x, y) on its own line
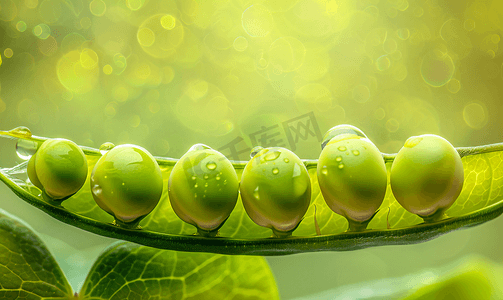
point(234, 74)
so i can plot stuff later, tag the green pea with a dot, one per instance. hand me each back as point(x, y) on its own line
point(276, 190)
point(203, 189)
point(427, 176)
point(59, 168)
point(127, 183)
point(352, 176)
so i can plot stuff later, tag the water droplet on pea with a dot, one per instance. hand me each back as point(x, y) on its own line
point(342, 148)
point(338, 158)
point(206, 185)
point(324, 170)
point(275, 171)
point(205, 176)
point(25, 148)
point(195, 195)
point(286, 160)
point(211, 165)
point(412, 141)
point(272, 155)
point(341, 166)
point(218, 177)
point(225, 181)
point(22, 131)
point(255, 150)
point(105, 147)
point(195, 185)
point(193, 177)
point(356, 152)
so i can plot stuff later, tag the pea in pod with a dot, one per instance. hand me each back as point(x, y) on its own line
point(126, 182)
point(427, 176)
point(352, 175)
point(203, 189)
point(276, 189)
point(59, 168)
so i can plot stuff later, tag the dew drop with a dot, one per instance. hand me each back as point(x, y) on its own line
point(205, 176)
point(255, 150)
point(193, 177)
point(22, 131)
point(26, 148)
point(199, 147)
point(105, 147)
point(205, 185)
point(225, 181)
point(256, 194)
point(356, 152)
point(341, 166)
point(272, 155)
point(195, 185)
point(275, 171)
point(286, 160)
point(338, 158)
point(324, 170)
point(218, 177)
point(412, 141)
point(211, 165)
point(342, 148)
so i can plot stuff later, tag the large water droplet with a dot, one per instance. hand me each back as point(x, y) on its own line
point(26, 148)
point(272, 155)
point(22, 131)
point(356, 152)
point(338, 158)
point(256, 194)
point(275, 171)
point(412, 141)
point(255, 150)
point(105, 147)
point(211, 165)
point(199, 147)
point(342, 148)
point(345, 130)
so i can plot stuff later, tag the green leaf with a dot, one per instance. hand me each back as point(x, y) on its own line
point(480, 200)
point(471, 278)
point(27, 268)
point(131, 271)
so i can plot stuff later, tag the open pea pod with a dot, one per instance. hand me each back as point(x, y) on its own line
point(321, 230)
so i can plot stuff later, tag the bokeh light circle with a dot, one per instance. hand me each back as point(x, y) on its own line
point(157, 38)
point(475, 115)
point(437, 68)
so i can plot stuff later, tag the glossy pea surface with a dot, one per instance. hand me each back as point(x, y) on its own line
point(127, 182)
point(352, 176)
point(203, 188)
point(275, 189)
point(427, 175)
point(59, 167)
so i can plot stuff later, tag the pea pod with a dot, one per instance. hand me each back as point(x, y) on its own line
point(126, 182)
point(478, 202)
point(203, 189)
point(59, 168)
point(276, 190)
point(352, 175)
